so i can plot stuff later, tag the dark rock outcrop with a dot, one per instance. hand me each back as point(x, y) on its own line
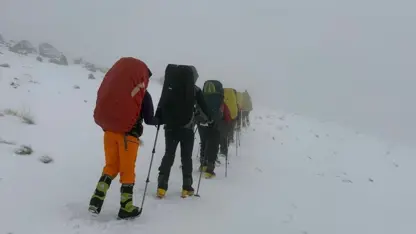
point(61, 61)
point(23, 47)
point(49, 51)
point(90, 67)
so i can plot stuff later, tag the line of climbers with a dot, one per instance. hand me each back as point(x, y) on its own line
point(123, 103)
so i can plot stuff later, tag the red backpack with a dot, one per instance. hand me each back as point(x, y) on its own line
point(120, 96)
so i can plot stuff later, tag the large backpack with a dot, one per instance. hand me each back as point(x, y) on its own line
point(247, 105)
point(120, 95)
point(230, 100)
point(240, 100)
point(214, 98)
point(178, 95)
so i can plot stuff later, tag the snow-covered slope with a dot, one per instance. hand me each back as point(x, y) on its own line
point(292, 174)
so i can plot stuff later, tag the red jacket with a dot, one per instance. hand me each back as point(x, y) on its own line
point(226, 111)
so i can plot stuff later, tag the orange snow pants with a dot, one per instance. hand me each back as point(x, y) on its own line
point(120, 156)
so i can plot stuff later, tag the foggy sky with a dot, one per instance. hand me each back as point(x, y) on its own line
point(351, 61)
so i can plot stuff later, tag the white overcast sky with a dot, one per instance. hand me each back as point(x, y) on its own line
point(352, 60)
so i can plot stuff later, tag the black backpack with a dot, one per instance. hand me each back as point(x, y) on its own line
point(214, 97)
point(178, 95)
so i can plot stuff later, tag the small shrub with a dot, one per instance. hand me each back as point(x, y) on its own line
point(10, 112)
point(2, 141)
point(78, 61)
point(14, 85)
point(25, 116)
point(24, 150)
point(46, 159)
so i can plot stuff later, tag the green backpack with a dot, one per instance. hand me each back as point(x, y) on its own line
point(214, 97)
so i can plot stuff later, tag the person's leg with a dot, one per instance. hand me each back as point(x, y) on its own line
point(187, 145)
point(224, 142)
point(128, 148)
point(110, 171)
point(244, 118)
point(171, 144)
point(212, 150)
point(231, 131)
point(203, 139)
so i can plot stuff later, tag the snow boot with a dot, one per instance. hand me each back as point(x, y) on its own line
point(162, 186)
point(97, 199)
point(217, 163)
point(187, 189)
point(127, 209)
point(209, 173)
point(202, 168)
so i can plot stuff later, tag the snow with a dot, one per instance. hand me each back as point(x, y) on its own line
point(293, 174)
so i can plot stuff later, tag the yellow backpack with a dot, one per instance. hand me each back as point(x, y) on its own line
point(240, 100)
point(230, 100)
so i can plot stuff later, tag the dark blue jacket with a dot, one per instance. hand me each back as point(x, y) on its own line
point(146, 115)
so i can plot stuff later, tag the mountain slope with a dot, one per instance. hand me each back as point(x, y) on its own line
point(292, 174)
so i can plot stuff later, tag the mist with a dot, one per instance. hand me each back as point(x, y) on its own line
point(346, 61)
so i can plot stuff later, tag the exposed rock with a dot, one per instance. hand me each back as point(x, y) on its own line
point(61, 61)
point(23, 47)
point(46, 159)
point(91, 76)
point(5, 65)
point(40, 59)
point(90, 67)
point(103, 69)
point(49, 51)
point(78, 61)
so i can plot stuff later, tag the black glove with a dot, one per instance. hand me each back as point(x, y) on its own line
point(137, 130)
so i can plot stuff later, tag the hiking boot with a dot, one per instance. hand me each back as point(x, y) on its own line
point(187, 191)
point(209, 175)
point(97, 199)
point(217, 163)
point(162, 186)
point(127, 209)
point(161, 193)
point(202, 168)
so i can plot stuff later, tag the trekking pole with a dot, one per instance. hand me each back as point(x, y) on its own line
point(236, 145)
point(238, 138)
point(150, 167)
point(226, 161)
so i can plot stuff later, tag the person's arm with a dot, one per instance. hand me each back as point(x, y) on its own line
point(148, 109)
